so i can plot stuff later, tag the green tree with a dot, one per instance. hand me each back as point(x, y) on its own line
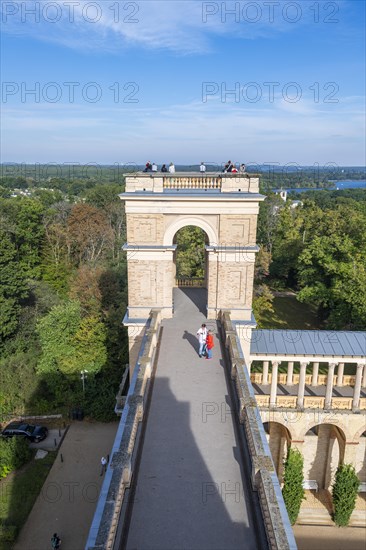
point(293, 492)
point(69, 342)
point(190, 256)
point(13, 286)
point(344, 492)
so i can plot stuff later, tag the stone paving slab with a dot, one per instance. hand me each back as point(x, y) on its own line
point(316, 537)
point(69, 495)
point(190, 491)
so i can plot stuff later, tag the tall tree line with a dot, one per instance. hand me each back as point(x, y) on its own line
point(62, 300)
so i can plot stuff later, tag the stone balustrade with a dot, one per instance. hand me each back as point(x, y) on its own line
point(191, 182)
point(259, 378)
point(156, 182)
point(263, 475)
point(301, 401)
point(119, 473)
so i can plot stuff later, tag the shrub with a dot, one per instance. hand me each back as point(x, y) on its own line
point(293, 492)
point(345, 491)
point(13, 454)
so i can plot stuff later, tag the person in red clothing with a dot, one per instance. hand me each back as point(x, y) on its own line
point(209, 344)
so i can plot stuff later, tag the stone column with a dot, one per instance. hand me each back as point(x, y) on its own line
point(364, 377)
point(328, 393)
point(300, 395)
point(272, 400)
point(265, 372)
point(314, 379)
point(340, 371)
point(290, 373)
point(357, 388)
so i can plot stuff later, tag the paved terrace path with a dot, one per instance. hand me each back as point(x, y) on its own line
point(190, 492)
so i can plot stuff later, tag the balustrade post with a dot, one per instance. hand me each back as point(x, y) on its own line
point(265, 372)
point(340, 372)
point(314, 378)
point(364, 377)
point(290, 373)
point(300, 395)
point(329, 390)
point(272, 399)
point(357, 388)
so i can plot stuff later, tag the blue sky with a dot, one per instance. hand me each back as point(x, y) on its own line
point(117, 82)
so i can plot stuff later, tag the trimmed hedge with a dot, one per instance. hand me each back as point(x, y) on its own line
point(14, 453)
point(345, 491)
point(293, 492)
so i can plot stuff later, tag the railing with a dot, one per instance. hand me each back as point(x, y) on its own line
point(348, 379)
point(263, 475)
point(122, 394)
point(189, 182)
point(197, 282)
point(310, 402)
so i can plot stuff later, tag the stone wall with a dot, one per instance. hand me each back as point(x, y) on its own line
point(263, 474)
point(119, 473)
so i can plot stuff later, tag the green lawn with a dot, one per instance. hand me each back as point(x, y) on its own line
point(18, 492)
point(291, 314)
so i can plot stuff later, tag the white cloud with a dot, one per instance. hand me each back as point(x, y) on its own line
point(184, 26)
point(212, 131)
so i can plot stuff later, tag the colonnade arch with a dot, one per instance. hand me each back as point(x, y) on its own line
point(279, 440)
point(325, 441)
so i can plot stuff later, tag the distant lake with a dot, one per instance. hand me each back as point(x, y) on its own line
point(338, 185)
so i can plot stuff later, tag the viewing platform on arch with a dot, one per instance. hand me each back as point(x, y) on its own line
point(157, 182)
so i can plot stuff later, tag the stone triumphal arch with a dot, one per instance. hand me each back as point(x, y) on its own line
point(225, 207)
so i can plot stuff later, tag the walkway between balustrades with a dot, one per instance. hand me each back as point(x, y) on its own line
point(190, 492)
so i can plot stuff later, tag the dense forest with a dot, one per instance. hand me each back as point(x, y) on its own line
point(64, 284)
point(62, 299)
point(317, 248)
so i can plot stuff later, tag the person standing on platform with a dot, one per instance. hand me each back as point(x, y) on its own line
point(203, 167)
point(202, 335)
point(171, 168)
point(209, 344)
point(104, 463)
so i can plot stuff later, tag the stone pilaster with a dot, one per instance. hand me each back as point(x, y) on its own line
point(300, 395)
point(314, 378)
point(340, 372)
point(357, 388)
point(272, 400)
point(290, 373)
point(329, 389)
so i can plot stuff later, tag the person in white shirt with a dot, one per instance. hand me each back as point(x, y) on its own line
point(202, 167)
point(154, 167)
point(202, 335)
point(171, 168)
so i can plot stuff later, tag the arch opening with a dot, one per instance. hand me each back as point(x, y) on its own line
point(190, 266)
point(324, 449)
point(279, 440)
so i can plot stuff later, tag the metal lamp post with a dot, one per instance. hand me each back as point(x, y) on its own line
point(83, 377)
